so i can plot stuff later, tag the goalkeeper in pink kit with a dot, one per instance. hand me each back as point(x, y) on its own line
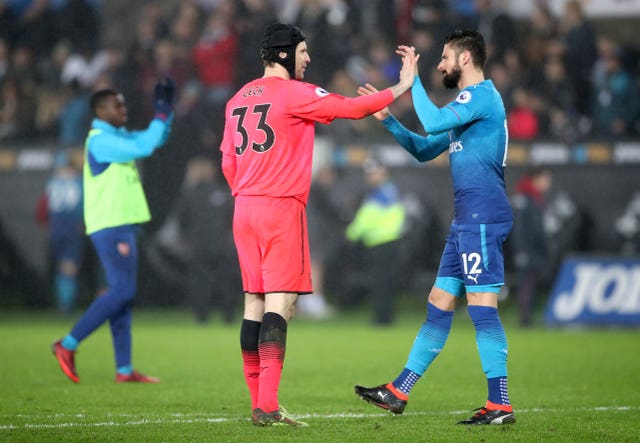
point(267, 150)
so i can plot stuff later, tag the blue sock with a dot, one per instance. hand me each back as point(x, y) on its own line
point(65, 291)
point(120, 326)
point(125, 370)
point(493, 350)
point(69, 342)
point(405, 381)
point(498, 392)
point(428, 343)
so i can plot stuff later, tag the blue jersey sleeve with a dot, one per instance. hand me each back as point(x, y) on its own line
point(437, 120)
point(121, 147)
point(423, 148)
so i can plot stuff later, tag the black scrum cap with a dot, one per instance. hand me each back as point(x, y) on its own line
point(279, 45)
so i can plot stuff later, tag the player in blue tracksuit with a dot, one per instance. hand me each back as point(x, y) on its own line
point(473, 129)
point(115, 204)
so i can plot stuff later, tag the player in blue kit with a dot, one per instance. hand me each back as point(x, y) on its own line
point(114, 206)
point(473, 129)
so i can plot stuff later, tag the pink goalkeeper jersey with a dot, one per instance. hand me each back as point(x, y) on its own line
point(269, 131)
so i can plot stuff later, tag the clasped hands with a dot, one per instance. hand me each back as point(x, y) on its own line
point(407, 74)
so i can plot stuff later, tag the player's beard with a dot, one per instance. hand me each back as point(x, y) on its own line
point(450, 81)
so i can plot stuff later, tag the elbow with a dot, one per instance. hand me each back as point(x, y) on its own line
point(354, 113)
point(431, 128)
point(228, 171)
point(146, 149)
point(358, 116)
point(421, 156)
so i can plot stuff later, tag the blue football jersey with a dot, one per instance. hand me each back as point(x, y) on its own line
point(473, 128)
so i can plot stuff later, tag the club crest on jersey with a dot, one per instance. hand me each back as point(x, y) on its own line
point(321, 92)
point(464, 97)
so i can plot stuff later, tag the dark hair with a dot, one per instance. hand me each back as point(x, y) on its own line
point(468, 40)
point(99, 97)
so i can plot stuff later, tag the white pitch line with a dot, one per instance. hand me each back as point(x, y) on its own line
point(199, 418)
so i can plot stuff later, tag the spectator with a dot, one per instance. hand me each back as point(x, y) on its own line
point(521, 118)
point(253, 16)
point(74, 116)
point(568, 227)
point(429, 16)
point(543, 26)
point(8, 23)
point(85, 66)
point(10, 104)
point(497, 26)
point(33, 25)
point(159, 37)
point(379, 226)
point(4, 58)
point(17, 275)
point(528, 239)
point(328, 31)
point(214, 57)
point(185, 28)
point(164, 61)
point(204, 210)
point(558, 98)
point(614, 95)
point(464, 13)
point(579, 38)
point(77, 21)
point(325, 220)
point(503, 82)
point(627, 226)
point(192, 135)
point(381, 56)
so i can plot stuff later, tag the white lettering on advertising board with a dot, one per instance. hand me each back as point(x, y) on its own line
point(602, 290)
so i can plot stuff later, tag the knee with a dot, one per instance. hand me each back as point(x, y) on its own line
point(289, 314)
point(254, 307)
point(442, 299)
point(124, 293)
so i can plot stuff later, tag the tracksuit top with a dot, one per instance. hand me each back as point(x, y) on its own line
point(113, 192)
point(380, 219)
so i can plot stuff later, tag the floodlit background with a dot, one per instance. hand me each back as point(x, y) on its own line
point(569, 74)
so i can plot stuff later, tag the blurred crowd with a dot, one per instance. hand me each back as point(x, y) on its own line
point(559, 77)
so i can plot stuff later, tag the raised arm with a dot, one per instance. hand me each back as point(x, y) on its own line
point(367, 104)
point(314, 103)
point(423, 148)
point(127, 146)
point(434, 120)
point(408, 72)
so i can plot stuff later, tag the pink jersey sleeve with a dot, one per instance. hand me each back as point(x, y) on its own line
point(314, 103)
point(228, 156)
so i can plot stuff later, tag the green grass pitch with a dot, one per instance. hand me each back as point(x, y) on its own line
point(565, 385)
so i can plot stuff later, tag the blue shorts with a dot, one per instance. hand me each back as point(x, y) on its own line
point(472, 260)
point(67, 246)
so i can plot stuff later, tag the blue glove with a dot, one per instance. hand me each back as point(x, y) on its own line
point(169, 89)
point(163, 96)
